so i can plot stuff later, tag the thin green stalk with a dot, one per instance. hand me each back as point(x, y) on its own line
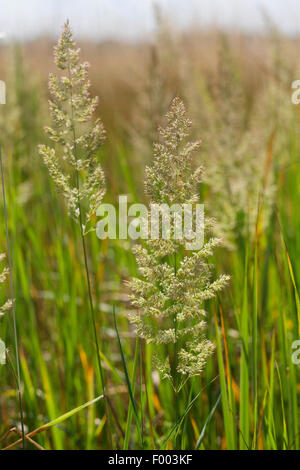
point(285, 439)
point(207, 422)
point(182, 417)
point(130, 407)
point(176, 385)
point(244, 367)
point(91, 301)
point(141, 391)
point(254, 350)
point(129, 387)
point(226, 405)
point(18, 372)
point(87, 268)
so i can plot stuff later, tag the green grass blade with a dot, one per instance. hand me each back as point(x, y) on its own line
point(130, 408)
point(181, 418)
point(284, 428)
point(70, 413)
point(244, 369)
point(208, 420)
point(227, 412)
point(254, 352)
point(131, 395)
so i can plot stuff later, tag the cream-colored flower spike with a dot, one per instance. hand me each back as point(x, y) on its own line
point(174, 283)
point(75, 169)
point(3, 309)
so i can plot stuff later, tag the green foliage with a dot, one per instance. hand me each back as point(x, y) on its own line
point(253, 323)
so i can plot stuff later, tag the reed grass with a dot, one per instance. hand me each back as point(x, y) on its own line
point(247, 394)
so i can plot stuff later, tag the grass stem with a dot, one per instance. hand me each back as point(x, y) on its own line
point(12, 293)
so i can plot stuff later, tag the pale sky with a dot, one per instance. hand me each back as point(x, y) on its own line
point(134, 19)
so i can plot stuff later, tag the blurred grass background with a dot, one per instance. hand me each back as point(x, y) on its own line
point(234, 86)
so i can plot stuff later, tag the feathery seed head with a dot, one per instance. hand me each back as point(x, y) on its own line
point(173, 287)
point(75, 169)
point(171, 179)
